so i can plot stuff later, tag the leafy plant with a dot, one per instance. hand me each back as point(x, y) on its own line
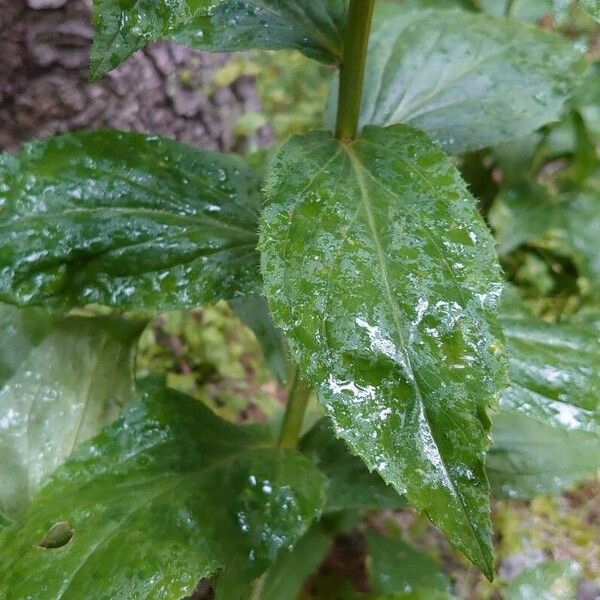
point(361, 258)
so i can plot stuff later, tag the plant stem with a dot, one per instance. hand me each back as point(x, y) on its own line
point(352, 71)
point(291, 426)
point(510, 5)
point(257, 588)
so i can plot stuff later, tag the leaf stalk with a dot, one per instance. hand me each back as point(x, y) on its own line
point(291, 427)
point(352, 70)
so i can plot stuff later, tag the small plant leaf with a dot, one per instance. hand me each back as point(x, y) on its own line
point(217, 25)
point(384, 280)
point(125, 220)
point(396, 566)
point(60, 387)
point(468, 80)
point(167, 495)
point(521, 214)
point(577, 231)
point(351, 485)
point(547, 431)
point(552, 580)
point(566, 223)
point(293, 567)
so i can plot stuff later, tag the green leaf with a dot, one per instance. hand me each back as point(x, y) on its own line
point(314, 28)
point(167, 495)
point(351, 485)
point(578, 233)
point(552, 580)
point(384, 279)
point(254, 312)
point(292, 568)
point(125, 220)
point(566, 224)
point(396, 566)
point(547, 432)
point(62, 382)
point(521, 214)
point(468, 80)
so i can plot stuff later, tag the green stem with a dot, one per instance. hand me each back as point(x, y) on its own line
point(510, 6)
point(291, 427)
point(257, 588)
point(352, 71)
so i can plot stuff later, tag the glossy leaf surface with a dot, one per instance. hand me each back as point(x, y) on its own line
point(63, 380)
point(351, 485)
point(547, 432)
point(217, 25)
point(167, 495)
point(396, 566)
point(125, 220)
point(384, 279)
point(468, 80)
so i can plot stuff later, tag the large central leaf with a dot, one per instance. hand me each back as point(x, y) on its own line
point(62, 381)
point(218, 25)
point(384, 279)
point(167, 495)
point(125, 220)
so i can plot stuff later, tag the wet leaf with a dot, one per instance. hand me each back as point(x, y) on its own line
point(468, 80)
point(217, 25)
point(292, 568)
point(63, 380)
point(552, 580)
point(396, 566)
point(547, 432)
point(167, 495)
point(125, 220)
point(384, 279)
point(351, 485)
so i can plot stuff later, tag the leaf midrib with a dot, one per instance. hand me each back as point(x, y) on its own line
point(202, 219)
point(358, 167)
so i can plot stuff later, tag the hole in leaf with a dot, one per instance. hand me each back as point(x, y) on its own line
point(58, 535)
